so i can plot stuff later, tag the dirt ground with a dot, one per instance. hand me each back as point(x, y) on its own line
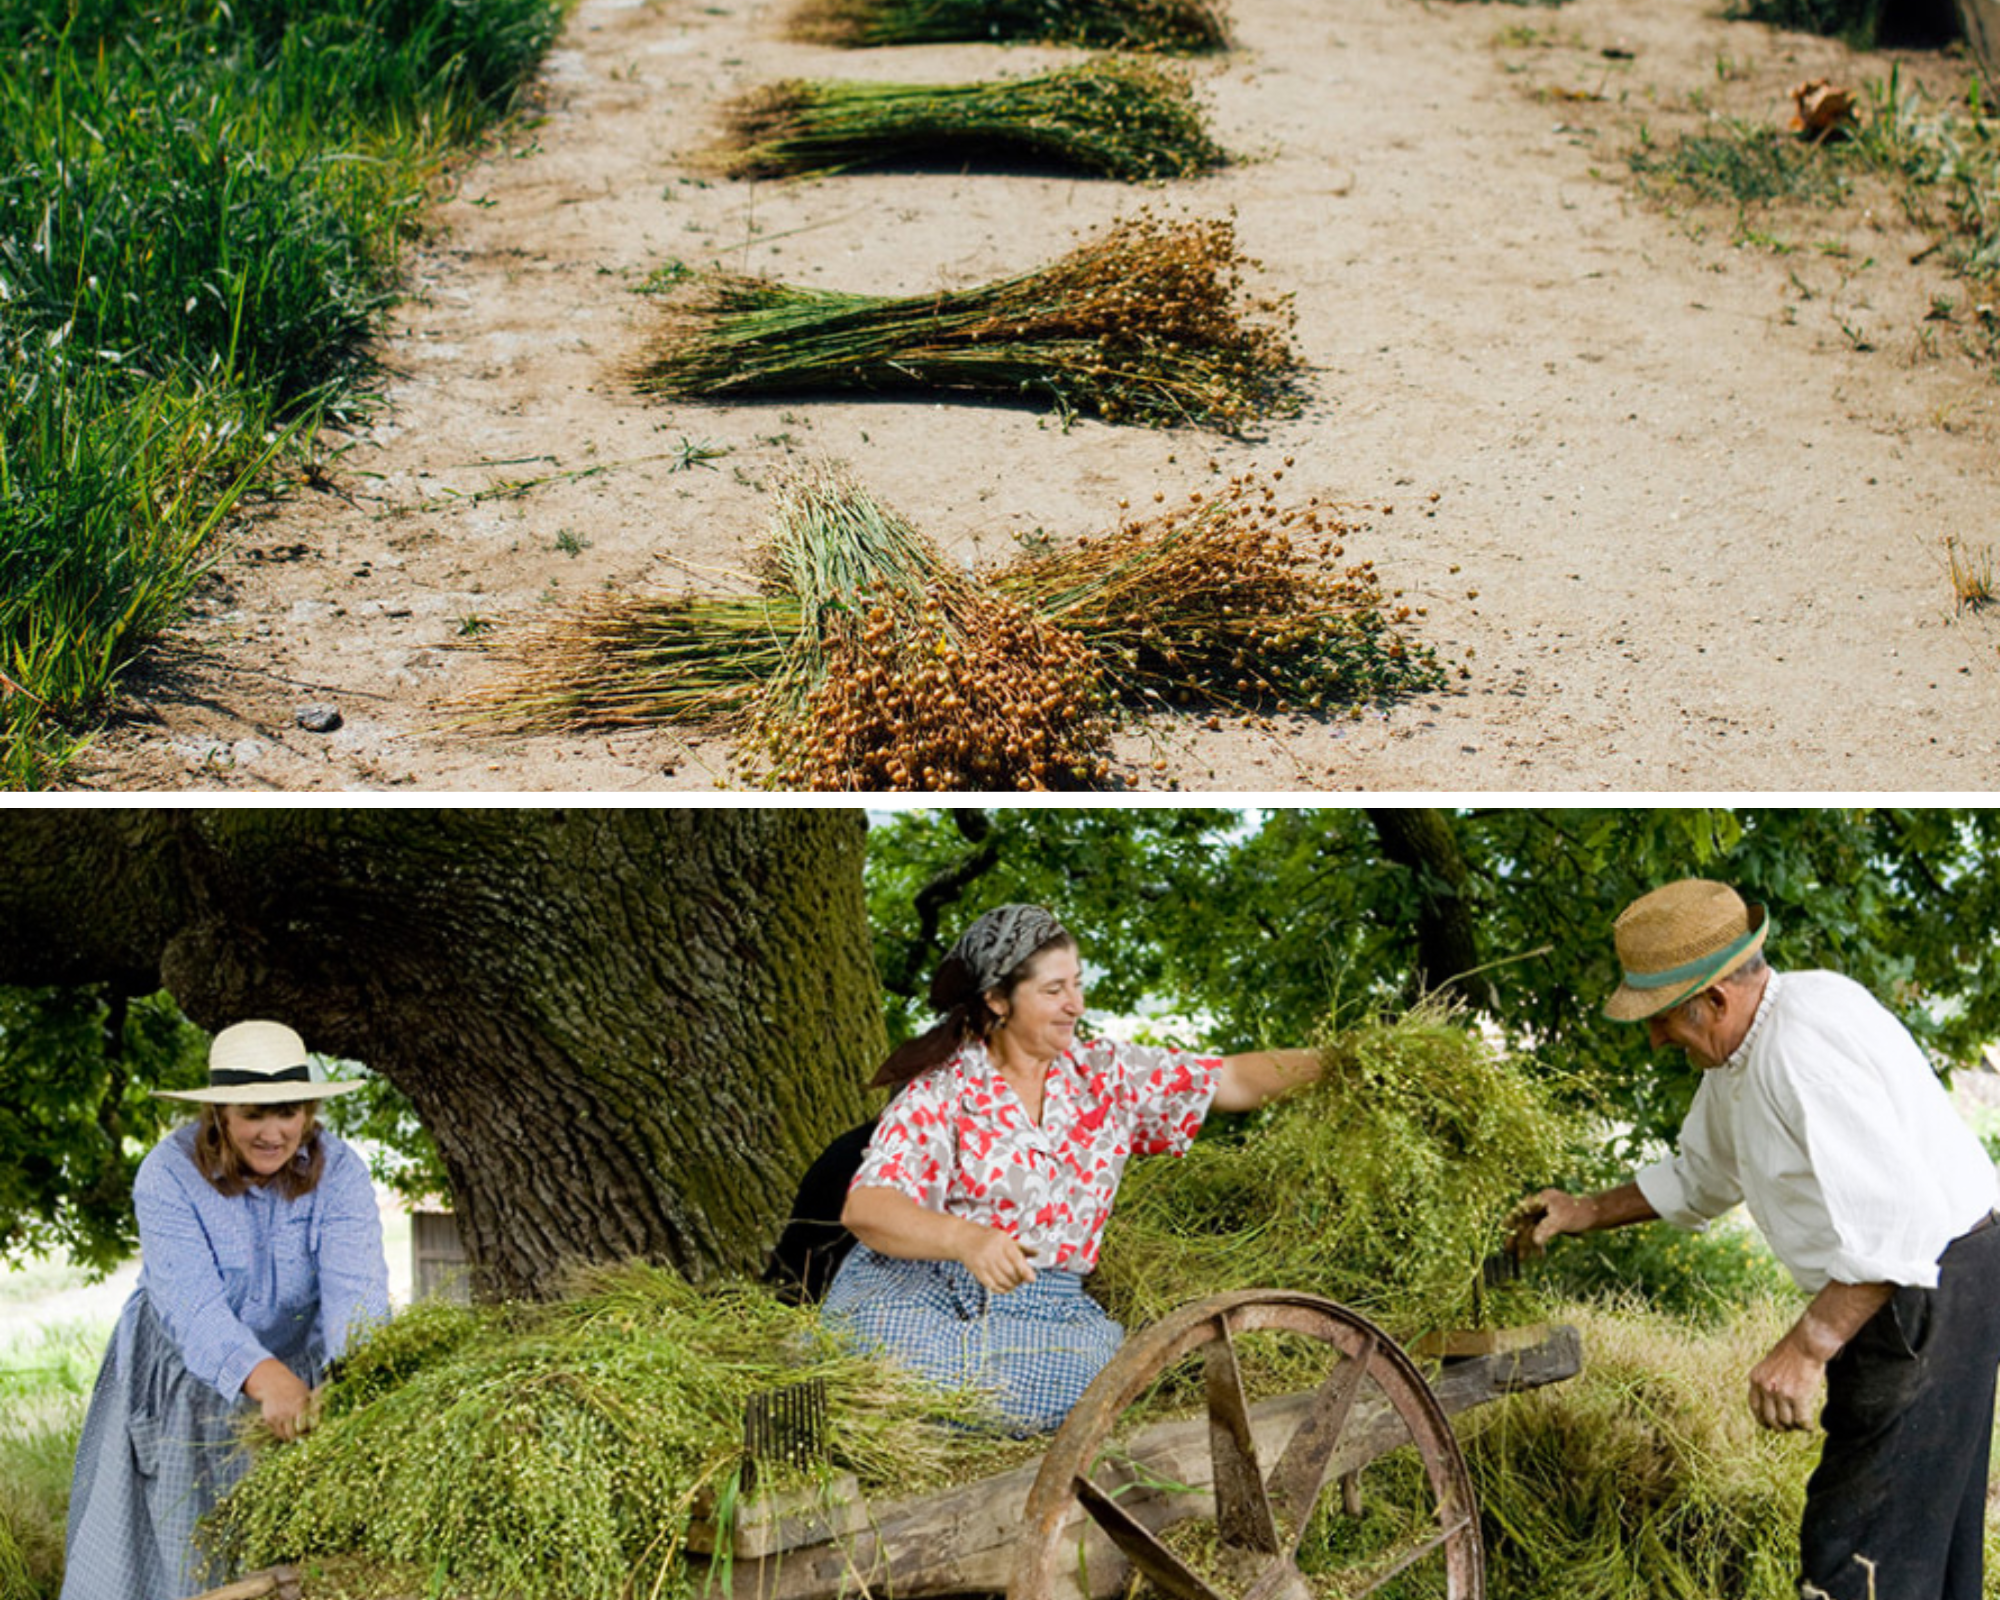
point(1677, 502)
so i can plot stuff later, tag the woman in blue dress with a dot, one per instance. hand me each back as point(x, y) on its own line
point(262, 1255)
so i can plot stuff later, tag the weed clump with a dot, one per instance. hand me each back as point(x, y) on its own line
point(1146, 324)
point(1118, 117)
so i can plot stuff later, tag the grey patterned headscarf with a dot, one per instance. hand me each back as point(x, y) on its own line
point(998, 943)
point(985, 954)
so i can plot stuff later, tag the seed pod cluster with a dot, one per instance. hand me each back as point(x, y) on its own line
point(1235, 598)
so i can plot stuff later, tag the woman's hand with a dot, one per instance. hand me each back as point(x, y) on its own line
point(996, 1259)
point(892, 1224)
point(287, 1402)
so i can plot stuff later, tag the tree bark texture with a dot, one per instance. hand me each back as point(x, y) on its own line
point(628, 1031)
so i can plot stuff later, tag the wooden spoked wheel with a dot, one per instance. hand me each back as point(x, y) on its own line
point(1234, 1526)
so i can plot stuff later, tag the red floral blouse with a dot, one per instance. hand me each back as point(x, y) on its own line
point(958, 1140)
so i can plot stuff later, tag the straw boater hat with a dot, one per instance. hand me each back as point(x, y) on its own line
point(259, 1064)
point(1676, 941)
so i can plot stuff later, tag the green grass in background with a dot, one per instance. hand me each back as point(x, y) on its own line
point(45, 1380)
point(201, 213)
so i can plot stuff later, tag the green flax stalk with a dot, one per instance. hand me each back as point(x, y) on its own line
point(1119, 117)
point(1183, 26)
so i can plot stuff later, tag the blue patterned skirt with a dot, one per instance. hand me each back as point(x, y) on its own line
point(1034, 1350)
point(159, 1448)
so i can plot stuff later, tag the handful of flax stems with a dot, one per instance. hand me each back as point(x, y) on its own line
point(1192, 27)
point(1140, 325)
point(1118, 116)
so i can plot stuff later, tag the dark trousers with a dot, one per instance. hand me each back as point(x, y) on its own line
point(1896, 1509)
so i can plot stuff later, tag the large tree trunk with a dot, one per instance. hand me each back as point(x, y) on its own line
point(627, 1030)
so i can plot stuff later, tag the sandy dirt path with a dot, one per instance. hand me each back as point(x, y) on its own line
point(1678, 504)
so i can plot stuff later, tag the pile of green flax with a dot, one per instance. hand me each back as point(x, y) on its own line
point(1644, 1477)
point(1186, 26)
point(869, 662)
point(1144, 324)
point(554, 1452)
point(1121, 117)
point(1383, 1186)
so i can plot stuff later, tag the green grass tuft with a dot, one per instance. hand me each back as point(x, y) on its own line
point(201, 217)
point(45, 1383)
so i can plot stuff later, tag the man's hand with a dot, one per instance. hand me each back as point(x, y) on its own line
point(1785, 1385)
point(1554, 1212)
point(1542, 1217)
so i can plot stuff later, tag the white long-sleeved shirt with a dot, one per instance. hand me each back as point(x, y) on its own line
point(1828, 1123)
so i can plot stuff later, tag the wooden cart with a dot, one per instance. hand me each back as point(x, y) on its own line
point(1103, 1504)
point(1079, 1522)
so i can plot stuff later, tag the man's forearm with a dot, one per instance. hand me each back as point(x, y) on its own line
point(1835, 1315)
point(1617, 1208)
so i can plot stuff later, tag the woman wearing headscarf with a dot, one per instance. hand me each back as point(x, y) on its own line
point(982, 1198)
point(262, 1256)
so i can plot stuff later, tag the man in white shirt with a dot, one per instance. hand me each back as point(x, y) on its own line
point(1819, 1112)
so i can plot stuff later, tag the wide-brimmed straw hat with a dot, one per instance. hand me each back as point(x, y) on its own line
point(1676, 941)
point(259, 1064)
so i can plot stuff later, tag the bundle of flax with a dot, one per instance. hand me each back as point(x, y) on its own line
point(1186, 26)
point(906, 674)
point(1383, 1186)
point(1140, 325)
point(1121, 117)
point(555, 1452)
point(868, 662)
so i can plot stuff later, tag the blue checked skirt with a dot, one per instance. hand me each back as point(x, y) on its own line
point(1033, 1350)
point(159, 1448)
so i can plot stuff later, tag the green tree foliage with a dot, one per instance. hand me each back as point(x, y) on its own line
point(1259, 921)
point(76, 1114)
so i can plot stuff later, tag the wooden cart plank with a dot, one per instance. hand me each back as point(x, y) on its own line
point(962, 1540)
